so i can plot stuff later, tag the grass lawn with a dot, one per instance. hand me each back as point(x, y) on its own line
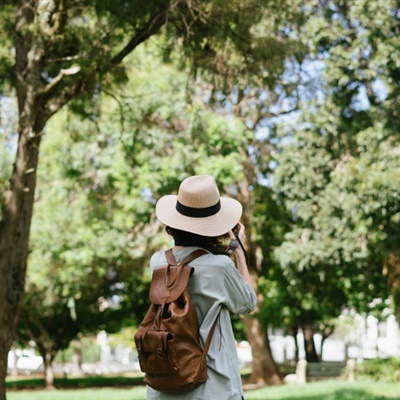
point(328, 390)
point(136, 393)
point(24, 383)
point(323, 390)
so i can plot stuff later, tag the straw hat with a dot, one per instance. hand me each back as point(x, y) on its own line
point(198, 208)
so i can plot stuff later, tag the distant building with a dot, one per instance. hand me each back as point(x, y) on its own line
point(365, 339)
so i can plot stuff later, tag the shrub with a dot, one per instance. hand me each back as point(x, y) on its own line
point(380, 369)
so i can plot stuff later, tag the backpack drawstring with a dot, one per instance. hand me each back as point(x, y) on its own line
point(220, 331)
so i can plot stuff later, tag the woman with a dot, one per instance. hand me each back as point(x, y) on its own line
point(197, 218)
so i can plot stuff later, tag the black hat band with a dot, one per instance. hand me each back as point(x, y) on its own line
point(198, 212)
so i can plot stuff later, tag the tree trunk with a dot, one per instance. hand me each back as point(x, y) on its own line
point(48, 359)
point(16, 214)
point(77, 358)
point(265, 371)
point(392, 270)
point(48, 356)
point(322, 347)
point(3, 368)
point(296, 343)
point(14, 367)
point(14, 236)
point(326, 332)
point(294, 332)
point(309, 344)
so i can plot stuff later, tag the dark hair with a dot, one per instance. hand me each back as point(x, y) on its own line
point(183, 238)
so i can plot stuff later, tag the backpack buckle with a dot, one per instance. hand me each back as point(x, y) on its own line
point(161, 354)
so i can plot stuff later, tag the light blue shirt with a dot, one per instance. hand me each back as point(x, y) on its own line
point(215, 285)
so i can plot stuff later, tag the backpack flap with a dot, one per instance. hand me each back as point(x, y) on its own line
point(156, 351)
point(156, 342)
point(168, 283)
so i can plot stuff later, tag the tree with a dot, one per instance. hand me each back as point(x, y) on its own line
point(254, 102)
point(335, 171)
point(83, 252)
point(45, 79)
point(68, 50)
point(93, 231)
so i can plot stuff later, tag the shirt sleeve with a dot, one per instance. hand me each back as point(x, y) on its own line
point(240, 297)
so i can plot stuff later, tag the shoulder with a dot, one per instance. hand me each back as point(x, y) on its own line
point(158, 260)
point(215, 264)
point(217, 260)
point(220, 261)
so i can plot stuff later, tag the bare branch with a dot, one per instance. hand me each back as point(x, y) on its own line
point(63, 72)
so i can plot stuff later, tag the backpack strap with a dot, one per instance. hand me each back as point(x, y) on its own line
point(207, 344)
point(192, 256)
point(169, 255)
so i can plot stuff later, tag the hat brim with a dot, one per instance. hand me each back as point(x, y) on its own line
point(215, 225)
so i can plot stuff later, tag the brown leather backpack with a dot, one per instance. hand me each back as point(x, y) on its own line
point(167, 341)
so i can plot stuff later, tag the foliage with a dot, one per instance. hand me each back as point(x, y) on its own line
point(90, 352)
point(123, 338)
point(380, 369)
point(68, 52)
point(336, 204)
point(338, 165)
point(85, 265)
point(93, 229)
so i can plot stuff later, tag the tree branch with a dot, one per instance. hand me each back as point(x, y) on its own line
point(152, 26)
point(149, 29)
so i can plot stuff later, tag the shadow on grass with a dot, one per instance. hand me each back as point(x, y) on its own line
point(75, 383)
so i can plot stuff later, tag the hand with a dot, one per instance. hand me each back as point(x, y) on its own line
point(239, 234)
point(236, 241)
point(239, 253)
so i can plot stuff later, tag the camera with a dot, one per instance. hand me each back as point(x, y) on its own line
point(236, 230)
